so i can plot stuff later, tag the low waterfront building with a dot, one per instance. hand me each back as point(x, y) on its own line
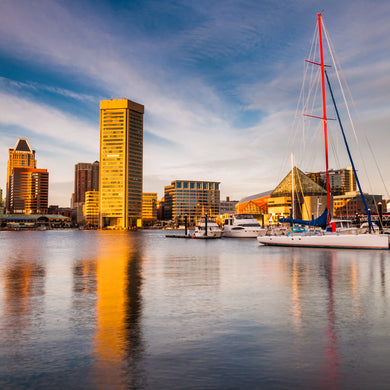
point(256, 205)
point(191, 198)
point(227, 206)
point(34, 221)
point(351, 203)
point(297, 196)
point(65, 211)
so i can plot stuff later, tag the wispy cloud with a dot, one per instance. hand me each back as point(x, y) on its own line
point(22, 87)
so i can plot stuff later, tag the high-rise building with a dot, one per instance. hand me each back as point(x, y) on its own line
point(91, 208)
point(21, 156)
point(29, 190)
point(191, 198)
point(27, 186)
point(121, 157)
point(86, 178)
point(149, 207)
point(341, 181)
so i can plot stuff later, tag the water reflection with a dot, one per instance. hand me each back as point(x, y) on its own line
point(118, 339)
point(23, 295)
point(296, 298)
point(330, 377)
point(383, 274)
point(136, 310)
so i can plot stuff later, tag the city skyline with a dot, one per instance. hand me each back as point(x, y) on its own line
point(219, 83)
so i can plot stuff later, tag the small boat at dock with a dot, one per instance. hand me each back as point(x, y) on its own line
point(207, 228)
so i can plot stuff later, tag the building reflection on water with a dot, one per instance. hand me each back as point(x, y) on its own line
point(23, 286)
point(118, 344)
point(130, 309)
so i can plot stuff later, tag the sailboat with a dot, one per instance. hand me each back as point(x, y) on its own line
point(321, 237)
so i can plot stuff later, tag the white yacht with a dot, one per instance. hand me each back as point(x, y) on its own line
point(212, 231)
point(241, 225)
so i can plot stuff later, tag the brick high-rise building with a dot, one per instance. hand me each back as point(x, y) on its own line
point(86, 178)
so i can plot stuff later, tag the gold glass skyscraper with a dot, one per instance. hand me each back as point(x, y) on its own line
point(121, 156)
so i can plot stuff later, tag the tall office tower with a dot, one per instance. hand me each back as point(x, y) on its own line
point(191, 198)
point(29, 191)
point(21, 156)
point(121, 154)
point(86, 178)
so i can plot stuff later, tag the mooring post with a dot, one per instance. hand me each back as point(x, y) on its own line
point(380, 214)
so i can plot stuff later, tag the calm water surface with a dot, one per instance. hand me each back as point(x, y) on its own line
point(137, 310)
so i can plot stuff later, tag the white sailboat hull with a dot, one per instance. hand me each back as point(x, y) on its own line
point(332, 240)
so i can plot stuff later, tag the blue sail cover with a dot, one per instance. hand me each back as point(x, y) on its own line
point(321, 221)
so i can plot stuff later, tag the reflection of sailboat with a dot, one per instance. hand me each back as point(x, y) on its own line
point(320, 238)
point(331, 360)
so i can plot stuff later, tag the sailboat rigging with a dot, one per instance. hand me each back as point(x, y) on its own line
point(319, 238)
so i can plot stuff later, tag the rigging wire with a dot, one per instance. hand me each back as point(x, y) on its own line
point(337, 66)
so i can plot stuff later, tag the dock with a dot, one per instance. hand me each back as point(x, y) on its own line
point(178, 236)
point(196, 238)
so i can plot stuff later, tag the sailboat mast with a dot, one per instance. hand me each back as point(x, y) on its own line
point(324, 118)
point(292, 187)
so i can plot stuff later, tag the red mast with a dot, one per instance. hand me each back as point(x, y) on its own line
point(324, 114)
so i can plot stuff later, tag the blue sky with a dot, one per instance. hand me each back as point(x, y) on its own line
point(219, 80)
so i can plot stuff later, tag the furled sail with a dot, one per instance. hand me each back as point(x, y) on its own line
point(321, 221)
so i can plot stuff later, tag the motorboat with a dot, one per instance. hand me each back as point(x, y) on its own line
point(241, 225)
point(207, 228)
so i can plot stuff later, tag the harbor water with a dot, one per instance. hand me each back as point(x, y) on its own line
point(137, 310)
